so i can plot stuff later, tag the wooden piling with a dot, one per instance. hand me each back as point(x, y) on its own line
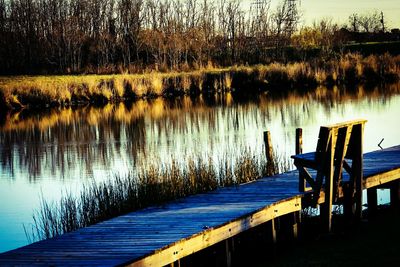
point(372, 200)
point(299, 150)
point(395, 195)
point(269, 153)
point(270, 229)
point(348, 205)
point(176, 263)
point(299, 141)
point(296, 224)
point(229, 249)
point(273, 231)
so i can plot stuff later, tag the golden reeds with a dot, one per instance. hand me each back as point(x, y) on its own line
point(17, 92)
point(153, 185)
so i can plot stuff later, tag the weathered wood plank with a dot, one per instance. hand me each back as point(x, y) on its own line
point(212, 236)
point(349, 123)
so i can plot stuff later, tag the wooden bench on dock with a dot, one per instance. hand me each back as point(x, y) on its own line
point(165, 234)
point(339, 149)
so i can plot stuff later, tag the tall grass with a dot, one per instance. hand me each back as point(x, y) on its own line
point(152, 185)
point(349, 69)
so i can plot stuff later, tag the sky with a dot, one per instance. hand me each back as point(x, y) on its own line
point(340, 10)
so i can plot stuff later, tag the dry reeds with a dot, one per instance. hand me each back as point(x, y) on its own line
point(353, 69)
point(350, 69)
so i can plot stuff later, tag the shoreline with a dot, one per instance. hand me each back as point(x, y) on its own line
point(30, 92)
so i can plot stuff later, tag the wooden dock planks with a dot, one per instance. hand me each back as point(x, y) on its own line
point(161, 235)
point(168, 232)
point(381, 167)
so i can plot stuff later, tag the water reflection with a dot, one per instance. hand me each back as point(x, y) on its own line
point(75, 142)
point(60, 149)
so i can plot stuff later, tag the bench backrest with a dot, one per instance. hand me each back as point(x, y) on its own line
point(345, 136)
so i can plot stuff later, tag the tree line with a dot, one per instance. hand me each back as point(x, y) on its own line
point(114, 36)
point(75, 36)
point(368, 23)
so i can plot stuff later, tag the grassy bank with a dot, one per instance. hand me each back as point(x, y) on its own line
point(153, 185)
point(44, 91)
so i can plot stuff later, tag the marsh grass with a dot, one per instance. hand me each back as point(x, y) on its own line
point(153, 185)
point(353, 69)
point(349, 69)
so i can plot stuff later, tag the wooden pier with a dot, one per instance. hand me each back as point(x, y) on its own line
point(335, 174)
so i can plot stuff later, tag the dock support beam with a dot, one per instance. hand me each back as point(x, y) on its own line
point(229, 250)
point(348, 204)
point(295, 220)
point(372, 200)
point(273, 231)
point(395, 195)
point(176, 263)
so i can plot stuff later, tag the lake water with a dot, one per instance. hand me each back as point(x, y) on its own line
point(59, 150)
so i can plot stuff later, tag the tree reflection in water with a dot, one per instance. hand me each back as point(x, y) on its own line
point(69, 143)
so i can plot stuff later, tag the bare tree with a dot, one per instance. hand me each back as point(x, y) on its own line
point(353, 20)
point(99, 35)
point(370, 22)
point(383, 22)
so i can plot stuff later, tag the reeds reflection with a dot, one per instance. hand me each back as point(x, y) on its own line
point(76, 142)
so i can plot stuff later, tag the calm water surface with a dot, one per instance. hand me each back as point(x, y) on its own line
point(60, 150)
